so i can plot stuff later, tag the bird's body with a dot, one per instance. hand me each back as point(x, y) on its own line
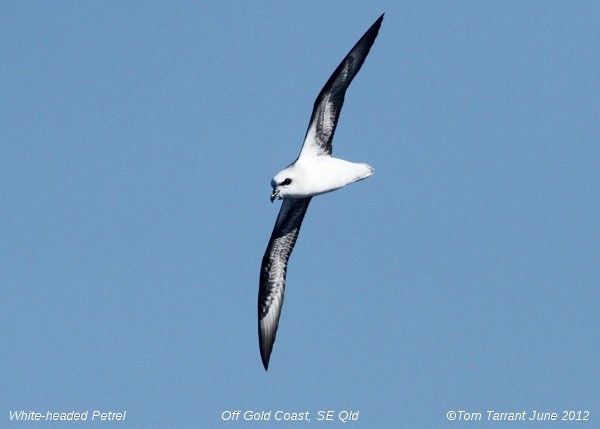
point(314, 172)
point(321, 175)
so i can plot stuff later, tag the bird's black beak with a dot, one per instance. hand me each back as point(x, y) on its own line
point(274, 195)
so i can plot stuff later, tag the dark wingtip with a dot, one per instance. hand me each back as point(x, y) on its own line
point(379, 21)
point(265, 361)
point(265, 352)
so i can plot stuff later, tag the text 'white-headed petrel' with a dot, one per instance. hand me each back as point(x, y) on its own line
point(314, 172)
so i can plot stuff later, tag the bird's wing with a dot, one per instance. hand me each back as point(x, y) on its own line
point(273, 270)
point(328, 104)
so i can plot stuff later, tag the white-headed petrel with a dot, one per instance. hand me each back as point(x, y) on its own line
point(314, 172)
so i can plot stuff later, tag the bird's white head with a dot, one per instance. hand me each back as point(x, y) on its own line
point(284, 183)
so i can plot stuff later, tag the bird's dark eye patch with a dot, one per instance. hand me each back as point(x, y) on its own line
point(286, 181)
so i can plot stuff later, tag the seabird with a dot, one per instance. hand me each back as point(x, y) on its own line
point(314, 172)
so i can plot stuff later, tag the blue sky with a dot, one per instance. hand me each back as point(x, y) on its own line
point(138, 144)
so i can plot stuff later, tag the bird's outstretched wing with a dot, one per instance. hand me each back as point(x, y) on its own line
point(328, 104)
point(273, 271)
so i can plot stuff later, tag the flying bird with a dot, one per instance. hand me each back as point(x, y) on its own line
point(314, 172)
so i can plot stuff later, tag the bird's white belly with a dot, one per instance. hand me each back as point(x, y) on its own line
point(328, 174)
